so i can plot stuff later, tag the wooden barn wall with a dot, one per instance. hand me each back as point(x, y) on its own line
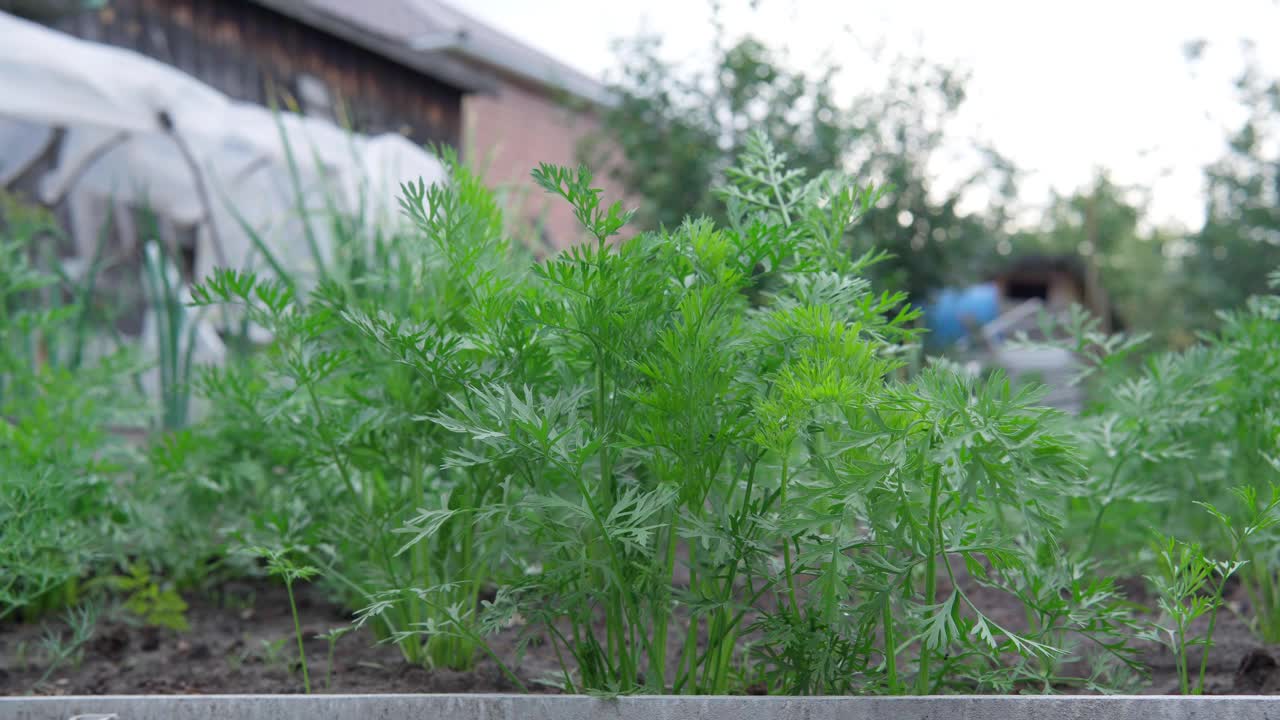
point(245, 50)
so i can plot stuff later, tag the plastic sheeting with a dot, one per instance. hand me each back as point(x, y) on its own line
point(112, 104)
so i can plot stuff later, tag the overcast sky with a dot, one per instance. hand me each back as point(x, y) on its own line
point(1059, 87)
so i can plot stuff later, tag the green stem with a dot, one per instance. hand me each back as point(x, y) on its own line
point(786, 547)
point(615, 630)
point(1106, 503)
point(1271, 612)
point(687, 666)
point(1181, 659)
point(725, 661)
point(557, 640)
point(470, 592)
point(1213, 620)
point(930, 577)
point(890, 645)
point(624, 603)
point(420, 559)
point(511, 675)
point(333, 450)
point(775, 184)
point(328, 668)
point(606, 472)
point(297, 631)
point(657, 680)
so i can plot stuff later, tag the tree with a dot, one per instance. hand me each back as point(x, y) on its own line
point(1138, 267)
point(678, 128)
point(1240, 242)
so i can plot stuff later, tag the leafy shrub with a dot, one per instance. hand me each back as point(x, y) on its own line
point(156, 606)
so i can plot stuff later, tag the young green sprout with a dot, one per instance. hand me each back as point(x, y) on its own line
point(280, 564)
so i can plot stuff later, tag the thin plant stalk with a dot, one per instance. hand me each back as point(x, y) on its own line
point(297, 631)
point(930, 578)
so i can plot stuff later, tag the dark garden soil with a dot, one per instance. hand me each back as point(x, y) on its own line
point(241, 641)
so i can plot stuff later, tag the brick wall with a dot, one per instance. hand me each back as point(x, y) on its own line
point(509, 133)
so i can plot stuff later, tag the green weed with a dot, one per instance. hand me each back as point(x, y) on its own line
point(156, 606)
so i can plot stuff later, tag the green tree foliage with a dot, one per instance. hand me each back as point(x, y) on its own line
point(1240, 242)
point(677, 129)
point(1138, 267)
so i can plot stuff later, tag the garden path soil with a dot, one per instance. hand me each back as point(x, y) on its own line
point(241, 641)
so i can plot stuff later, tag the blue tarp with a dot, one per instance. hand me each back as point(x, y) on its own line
point(955, 310)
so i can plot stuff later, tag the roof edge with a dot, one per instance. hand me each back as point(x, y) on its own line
point(580, 87)
point(433, 64)
point(481, 42)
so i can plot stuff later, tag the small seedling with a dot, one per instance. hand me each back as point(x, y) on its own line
point(282, 566)
point(1190, 585)
point(60, 651)
point(1184, 587)
point(237, 601)
point(273, 653)
point(332, 638)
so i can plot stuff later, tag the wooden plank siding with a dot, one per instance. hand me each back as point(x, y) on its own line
point(245, 50)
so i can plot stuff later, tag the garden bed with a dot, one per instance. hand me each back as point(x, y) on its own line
point(241, 637)
point(699, 463)
point(240, 641)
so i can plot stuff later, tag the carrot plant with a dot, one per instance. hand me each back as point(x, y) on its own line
point(353, 371)
point(703, 435)
point(1241, 449)
point(281, 565)
point(1190, 585)
point(1196, 423)
point(688, 460)
point(1187, 591)
point(682, 458)
point(58, 501)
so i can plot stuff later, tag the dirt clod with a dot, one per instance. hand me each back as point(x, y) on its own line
point(201, 652)
point(150, 639)
point(110, 642)
point(1258, 673)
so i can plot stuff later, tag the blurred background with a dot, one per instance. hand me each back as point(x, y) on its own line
point(1121, 156)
